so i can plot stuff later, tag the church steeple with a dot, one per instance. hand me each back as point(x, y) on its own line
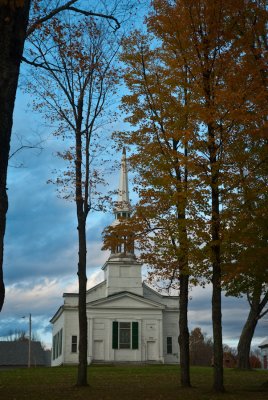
point(122, 271)
point(122, 208)
point(125, 244)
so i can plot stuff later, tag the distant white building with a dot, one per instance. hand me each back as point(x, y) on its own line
point(264, 353)
point(127, 320)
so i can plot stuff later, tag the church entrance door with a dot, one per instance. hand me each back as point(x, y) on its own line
point(98, 350)
point(151, 351)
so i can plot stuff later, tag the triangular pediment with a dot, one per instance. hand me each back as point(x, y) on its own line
point(125, 300)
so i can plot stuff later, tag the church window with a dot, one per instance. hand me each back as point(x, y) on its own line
point(57, 345)
point(119, 248)
point(125, 335)
point(60, 343)
point(74, 344)
point(54, 347)
point(169, 345)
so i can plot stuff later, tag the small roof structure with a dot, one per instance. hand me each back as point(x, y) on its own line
point(16, 354)
point(264, 343)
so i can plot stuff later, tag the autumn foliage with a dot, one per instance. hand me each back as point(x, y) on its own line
point(197, 106)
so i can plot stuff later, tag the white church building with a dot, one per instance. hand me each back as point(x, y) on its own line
point(264, 353)
point(127, 320)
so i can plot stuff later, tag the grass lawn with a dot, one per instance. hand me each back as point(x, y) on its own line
point(156, 382)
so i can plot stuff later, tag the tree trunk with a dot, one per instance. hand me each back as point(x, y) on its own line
point(212, 147)
point(184, 332)
point(243, 348)
point(81, 211)
point(217, 329)
point(184, 272)
point(13, 24)
point(82, 311)
point(216, 267)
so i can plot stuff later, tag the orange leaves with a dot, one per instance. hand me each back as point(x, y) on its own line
point(197, 104)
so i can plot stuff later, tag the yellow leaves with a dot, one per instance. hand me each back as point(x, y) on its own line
point(196, 103)
point(121, 233)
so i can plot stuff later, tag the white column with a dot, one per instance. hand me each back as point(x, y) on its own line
point(161, 340)
point(108, 339)
point(90, 339)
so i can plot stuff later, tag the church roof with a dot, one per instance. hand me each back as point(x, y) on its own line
point(121, 258)
point(115, 300)
point(165, 296)
point(264, 343)
point(57, 314)
point(103, 283)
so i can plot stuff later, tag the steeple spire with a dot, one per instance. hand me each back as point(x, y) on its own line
point(122, 208)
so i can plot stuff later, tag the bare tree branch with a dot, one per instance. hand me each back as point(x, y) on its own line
point(24, 146)
point(40, 65)
point(90, 13)
point(66, 7)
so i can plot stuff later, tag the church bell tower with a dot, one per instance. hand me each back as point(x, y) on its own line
point(122, 270)
point(124, 245)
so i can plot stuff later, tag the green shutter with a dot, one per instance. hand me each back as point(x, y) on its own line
point(53, 344)
point(135, 335)
point(115, 335)
point(169, 345)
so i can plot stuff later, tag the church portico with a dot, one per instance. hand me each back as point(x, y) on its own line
point(148, 345)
